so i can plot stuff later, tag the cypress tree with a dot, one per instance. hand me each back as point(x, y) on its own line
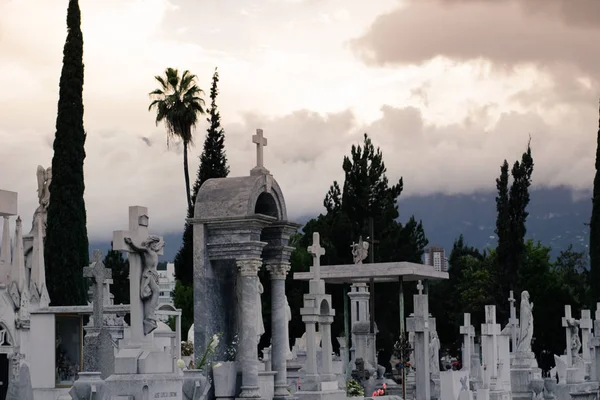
point(595, 229)
point(66, 247)
point(213, 164)
point(502, 216)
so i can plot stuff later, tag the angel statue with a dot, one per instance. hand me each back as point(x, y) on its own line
point(44, 178)
point(360, 250)
point(526, 328)
point(149, 289)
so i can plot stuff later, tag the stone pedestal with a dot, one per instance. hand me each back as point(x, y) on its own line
point(146, 386)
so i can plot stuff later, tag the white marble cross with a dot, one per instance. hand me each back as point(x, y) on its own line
point(565, 324)
point(513, 321)
point(138, 232)
point(586, 333)
point(420, 287)
point(490, 331)
point(99, 273)
point(317, 251)
point(260, 142)
point(468, 331)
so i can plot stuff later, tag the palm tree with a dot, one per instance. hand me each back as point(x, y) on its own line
point(178, 103)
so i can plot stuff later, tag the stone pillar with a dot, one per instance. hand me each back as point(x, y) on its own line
point(311, 349)
point(279, 333)
point(248, 346)
point(326, 349)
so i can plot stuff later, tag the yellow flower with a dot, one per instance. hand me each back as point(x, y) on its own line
point(180, 364)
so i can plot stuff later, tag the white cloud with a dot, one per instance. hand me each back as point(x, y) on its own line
point(446, 126)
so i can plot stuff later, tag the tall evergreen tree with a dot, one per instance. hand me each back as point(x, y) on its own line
point(66, 246)
point(595, 229)
point(511, 205)
point(213, 164)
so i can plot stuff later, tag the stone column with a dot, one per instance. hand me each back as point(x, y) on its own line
point(326, 349)
point(311, 349)
point(248, 346)
point(279, 333)
point(419, 324)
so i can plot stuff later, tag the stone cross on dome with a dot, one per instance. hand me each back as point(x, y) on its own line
point(260, 142)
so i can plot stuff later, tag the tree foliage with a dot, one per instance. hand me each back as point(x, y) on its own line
point(178, 102)
point(120, 275)
point(66, 249)
point(365, 194)
point(213, 164)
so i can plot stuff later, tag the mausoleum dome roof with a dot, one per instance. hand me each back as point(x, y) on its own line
point(240, 197)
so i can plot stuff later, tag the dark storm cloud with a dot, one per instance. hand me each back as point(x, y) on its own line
point(548, 33)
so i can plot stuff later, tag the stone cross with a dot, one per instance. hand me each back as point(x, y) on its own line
point(565, 324)
point(586, 333)
point(99, 273)
point(489, 332)
point(418, 323)
point(420, 287)
point(513, 321)
point(468, 331)
point(317, 251)
point(138, 232)
point(260, 142)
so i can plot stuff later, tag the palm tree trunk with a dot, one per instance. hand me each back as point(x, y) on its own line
point(186, 174)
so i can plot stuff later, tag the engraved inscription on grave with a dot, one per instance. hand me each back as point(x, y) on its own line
point(165, 395)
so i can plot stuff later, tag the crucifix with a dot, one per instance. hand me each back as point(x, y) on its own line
point(99, 273)
point(489, 332)
point(136, 235)
point(513, 321)
point(260, 142)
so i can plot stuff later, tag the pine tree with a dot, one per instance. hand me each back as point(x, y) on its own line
point(66, 246)
point(595, 230)
point(213, 164)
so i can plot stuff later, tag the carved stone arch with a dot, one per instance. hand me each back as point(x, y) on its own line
point(267, 198)
point(6, 337)
point(325, 308)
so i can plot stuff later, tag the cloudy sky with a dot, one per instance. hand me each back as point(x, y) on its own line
point(447, 89)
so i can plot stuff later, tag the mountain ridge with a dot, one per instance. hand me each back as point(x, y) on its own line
point(557, 218)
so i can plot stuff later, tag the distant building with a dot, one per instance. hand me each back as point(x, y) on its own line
point(436, 257)
point(166, 283)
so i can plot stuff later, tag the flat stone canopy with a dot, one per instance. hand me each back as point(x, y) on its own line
point(379, 272)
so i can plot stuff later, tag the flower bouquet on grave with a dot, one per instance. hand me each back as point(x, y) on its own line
point(381, 391)
point(353, 389)
point(210, 350)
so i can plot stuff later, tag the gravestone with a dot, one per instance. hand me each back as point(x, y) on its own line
point(98, 350)
point(317, 310)
point(141, 369)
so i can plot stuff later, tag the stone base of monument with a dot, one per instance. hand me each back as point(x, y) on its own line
point(435, 387)
point(520, 380)
point(320, 391)
point(145, 386)
point(140, 361)
point(583, 391)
